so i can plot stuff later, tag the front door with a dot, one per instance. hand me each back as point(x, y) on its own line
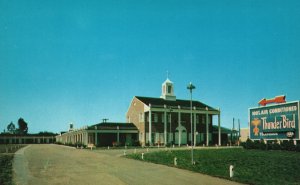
point(180, 135)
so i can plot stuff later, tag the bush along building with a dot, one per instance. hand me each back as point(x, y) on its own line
point(167, 120)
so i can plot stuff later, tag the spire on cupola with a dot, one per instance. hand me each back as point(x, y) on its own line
point(168, 90)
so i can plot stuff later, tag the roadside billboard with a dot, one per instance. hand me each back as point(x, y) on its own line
point(280, 121)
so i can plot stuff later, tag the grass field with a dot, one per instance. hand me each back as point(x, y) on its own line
point(6, 158)
point(250, 166)
point(6, 169)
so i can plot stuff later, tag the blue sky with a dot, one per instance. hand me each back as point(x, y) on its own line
point(81, 61)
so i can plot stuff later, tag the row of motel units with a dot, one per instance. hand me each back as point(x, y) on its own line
point(168, 120)
point(101, 134)
point(154, 121)
point(26, 139)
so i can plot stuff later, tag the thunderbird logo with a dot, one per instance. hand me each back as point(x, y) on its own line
point(255, 123)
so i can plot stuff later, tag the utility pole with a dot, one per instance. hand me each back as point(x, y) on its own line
point(191, 87)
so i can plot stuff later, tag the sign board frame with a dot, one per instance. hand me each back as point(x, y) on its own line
point(275, 122)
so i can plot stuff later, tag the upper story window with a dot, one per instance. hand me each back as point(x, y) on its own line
point(203, 119)
point(209, 119)
point(169, 89)
point(128, 119)
point(141, 117)
point(155, 118)
point(197, 119)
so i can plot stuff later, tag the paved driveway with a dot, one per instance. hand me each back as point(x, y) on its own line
point(54, 164)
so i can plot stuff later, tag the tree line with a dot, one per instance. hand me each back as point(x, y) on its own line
point(21, 130)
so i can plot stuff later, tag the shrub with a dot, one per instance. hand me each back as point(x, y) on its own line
point(297, 148)
point(262, 145)
point(249, 144)
point(136, 143)
point(276, 145)
point(256, 144)
point(271, 145)
point(243, 144)
point(288, 145)
point(116, 144)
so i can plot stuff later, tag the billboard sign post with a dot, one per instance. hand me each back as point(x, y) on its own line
point(280, 121)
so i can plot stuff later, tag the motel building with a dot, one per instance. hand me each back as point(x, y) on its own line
point(167, 120)
point(26, 139)
point(101, 134)
point(154, 121)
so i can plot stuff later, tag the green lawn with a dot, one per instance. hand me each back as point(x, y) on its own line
point(6, 168)
point(250, 166)
point(6, 159)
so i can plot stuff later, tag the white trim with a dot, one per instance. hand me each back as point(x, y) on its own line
point(216, 112)
point(115, 131)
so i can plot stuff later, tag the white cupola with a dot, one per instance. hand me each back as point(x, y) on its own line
point(168, 90)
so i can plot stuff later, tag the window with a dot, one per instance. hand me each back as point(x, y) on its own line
point(155, 118)
point(197, 118)
point(203, 119)
point(169, 118)
point(141, 117)
point(128, 119)
point(169, 89)
point(209, 119)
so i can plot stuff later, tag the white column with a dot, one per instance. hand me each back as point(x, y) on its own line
point(207, 137)
point(83, 137)
point(86, 138)
point(150, 125)
point(165, 125)
point(194, 127)
point(179, 124)
point(219, 126)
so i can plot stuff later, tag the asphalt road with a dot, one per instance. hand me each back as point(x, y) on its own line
point(54, 164)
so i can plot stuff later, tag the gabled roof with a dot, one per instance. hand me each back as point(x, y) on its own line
point(110, 126)
point(168, 81)
point(184, 104)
